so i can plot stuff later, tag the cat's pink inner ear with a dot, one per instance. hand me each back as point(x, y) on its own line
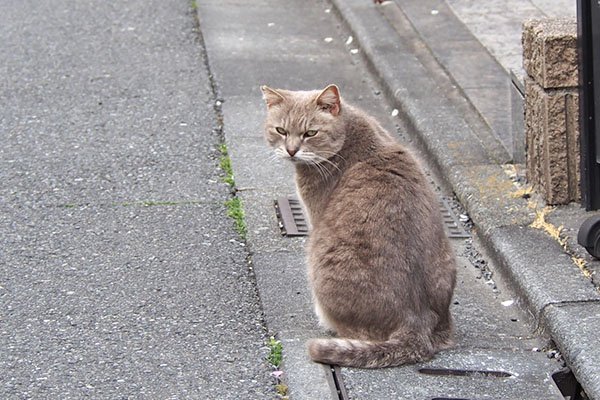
point(329, 100)
point(272, 97)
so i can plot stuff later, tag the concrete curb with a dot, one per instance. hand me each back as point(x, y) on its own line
point(532, 261)
point(483, 187)
point(547, 280)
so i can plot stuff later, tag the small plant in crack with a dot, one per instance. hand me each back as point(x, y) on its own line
point(225, 165)
point(275, 352)
point(236, 212)
point(234, 206)
point(274, 358)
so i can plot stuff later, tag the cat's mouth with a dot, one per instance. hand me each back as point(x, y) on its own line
point(301, 157)
point(297, 158)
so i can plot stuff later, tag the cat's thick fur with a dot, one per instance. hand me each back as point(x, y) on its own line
point(379, 264)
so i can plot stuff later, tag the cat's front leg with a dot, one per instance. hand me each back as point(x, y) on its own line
point(324, 322)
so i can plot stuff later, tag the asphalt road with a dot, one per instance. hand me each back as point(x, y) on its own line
point(120, 274)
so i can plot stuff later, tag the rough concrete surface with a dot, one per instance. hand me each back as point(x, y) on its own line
point(266, 50)
point(120, 275)
point(550, 52)
point(483, 195)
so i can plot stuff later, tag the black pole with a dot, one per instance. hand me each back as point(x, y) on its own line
point(588, 33)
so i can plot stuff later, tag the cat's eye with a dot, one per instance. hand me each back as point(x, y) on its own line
point(281, 131)
point(310, 133)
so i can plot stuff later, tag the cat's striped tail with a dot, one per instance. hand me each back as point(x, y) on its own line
point(370, 354)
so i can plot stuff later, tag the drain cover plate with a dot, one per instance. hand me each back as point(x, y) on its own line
point(292, 221)
point(461, 373)
point(454, 228)
point(291, 217)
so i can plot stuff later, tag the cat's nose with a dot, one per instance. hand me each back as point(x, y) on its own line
point(291, 152)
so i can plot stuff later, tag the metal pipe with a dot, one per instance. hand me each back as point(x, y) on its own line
point(588, 33)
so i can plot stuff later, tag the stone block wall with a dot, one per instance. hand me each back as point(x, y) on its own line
point(552, 108)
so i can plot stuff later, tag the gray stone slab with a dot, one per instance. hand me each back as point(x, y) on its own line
point(112, 177)
point(542, 273)
point(442, 130)
point(494, 105)
point(570, 217)
point(528, 379)
point(434, 15)
point(306, 380)
point(244, 114)
point(88, 119)
point(498, 25)
point(556, 9)
point(484, 317)
point(284, 291)
point(466, 60)
point(297, 58)
point(487, 193)
point(469, 65)
point(135, 301)
point(574, 328)
point(446, 85)
point(264, 232)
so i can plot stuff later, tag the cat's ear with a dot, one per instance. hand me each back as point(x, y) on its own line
point(329, 100)
point(272, 97)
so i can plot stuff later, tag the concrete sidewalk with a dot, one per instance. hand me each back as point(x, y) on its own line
point(564, 301)
point(273, 45)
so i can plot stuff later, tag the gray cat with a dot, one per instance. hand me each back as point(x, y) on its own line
point(380, 266)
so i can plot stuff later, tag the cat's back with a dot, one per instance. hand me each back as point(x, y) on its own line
point(382, 205)
point(389, 182)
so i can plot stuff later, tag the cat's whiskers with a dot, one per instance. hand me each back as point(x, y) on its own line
point(316, 161)
point(322, 159)
point(273, 157)
point(281, 153)
point(333, 153)
point(325, 175)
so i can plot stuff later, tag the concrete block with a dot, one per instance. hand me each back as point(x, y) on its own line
point(552, 136)
point(554, 144)
point(573, 144)
point(306, 380)
point(550, 51)
point(568, 324)
point(533, 132)
point(528, 377)
point(539, 277)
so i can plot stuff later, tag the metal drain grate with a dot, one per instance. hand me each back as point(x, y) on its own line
point(291, 218)
point(293, 223)
point(568, 385)
point(336, 382)
point(463, 372)
point(453, 226)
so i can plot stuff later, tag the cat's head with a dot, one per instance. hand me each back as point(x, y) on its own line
point(304, 127)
